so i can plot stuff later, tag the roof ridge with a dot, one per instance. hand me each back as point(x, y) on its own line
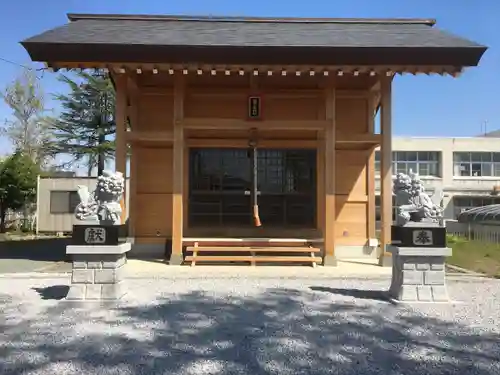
point(215, 18)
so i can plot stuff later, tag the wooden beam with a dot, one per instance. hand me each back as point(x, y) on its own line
point(329, 150)
point(274, 94)
point(177, 171)
point(227, 69)
point(352, 94)
point(155, 91)
point(358, 138)
point(243, 143)
point(150, 137)
point(121, 128)
point(235, 124)
point(386, 167)
point(223, 92)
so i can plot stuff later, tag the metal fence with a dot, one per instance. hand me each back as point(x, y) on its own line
point(489, 232)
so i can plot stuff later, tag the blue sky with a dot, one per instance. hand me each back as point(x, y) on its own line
point(422, 106)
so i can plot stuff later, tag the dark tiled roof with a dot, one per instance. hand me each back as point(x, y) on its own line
point(335, 33)
point(156, 31)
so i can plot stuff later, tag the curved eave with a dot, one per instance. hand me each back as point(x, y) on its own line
point(116, 53)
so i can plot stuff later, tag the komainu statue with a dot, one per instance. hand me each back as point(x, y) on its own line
point(102, 205)
point(413, 203)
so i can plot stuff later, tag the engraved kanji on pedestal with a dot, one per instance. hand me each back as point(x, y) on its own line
point(95, 236)
point(422, 237)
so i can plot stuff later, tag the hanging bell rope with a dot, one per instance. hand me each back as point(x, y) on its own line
point(254, 192)
point(254, 189)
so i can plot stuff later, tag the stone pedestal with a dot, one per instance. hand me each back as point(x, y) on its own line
point(418, 274)
point(98, 272)
point(385, 257)
point(176, 259)
point(330, 261)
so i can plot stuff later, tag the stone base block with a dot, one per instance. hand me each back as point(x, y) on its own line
point(418, 275)
point(385, 260)
point(97, 277)
point(330, 261)
point(76, 292)
point(176, 259)
point(99, 249)
point(113, 291)
point(96, 292)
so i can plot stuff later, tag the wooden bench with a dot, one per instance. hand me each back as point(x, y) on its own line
point(253, 253)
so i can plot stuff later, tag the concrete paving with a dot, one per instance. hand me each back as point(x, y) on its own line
point(34, 255)
point(49, 255)
point(159, 268)
point(9, 266)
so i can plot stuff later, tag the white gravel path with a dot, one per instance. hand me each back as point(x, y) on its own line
point(248, 326)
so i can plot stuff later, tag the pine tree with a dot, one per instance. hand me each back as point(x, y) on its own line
point(87, 123)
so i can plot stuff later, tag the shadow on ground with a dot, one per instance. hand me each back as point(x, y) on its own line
point(279, 331)
point(51, 249)
point(55, 292)
point(376, 295)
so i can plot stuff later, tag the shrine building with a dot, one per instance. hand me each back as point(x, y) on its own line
point(253, 139)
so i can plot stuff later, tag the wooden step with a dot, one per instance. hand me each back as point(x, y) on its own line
point(240, 258)
point(264, 253)
point(269, 249)
point(247, 244)
point(259, 242)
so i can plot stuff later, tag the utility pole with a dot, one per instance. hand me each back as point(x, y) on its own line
point(484, 127)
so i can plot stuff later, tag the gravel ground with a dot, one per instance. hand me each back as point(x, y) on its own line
point(251, 326)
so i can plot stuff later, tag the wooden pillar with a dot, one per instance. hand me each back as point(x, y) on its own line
point(121, 128)
point(177, 172)
point(386, 170)
point(370, 182)
point(133, 116)
point(329, 164)
point(320, 179)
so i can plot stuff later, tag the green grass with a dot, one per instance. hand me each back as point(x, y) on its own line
point(476, 256)
point(20, 236)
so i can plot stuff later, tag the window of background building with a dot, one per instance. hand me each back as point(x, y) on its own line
point(63, 202)
point(476, 164)
point(377, 208)
point(461, 204)
point(425, 163)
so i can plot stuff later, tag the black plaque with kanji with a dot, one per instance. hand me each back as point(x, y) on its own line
point(95, 234)
point(418, 236)
point(254, 107)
